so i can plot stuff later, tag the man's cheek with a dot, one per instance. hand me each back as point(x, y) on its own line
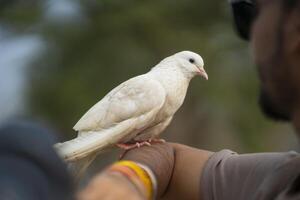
point(259, 54)
point(261, 46)
point(263, 36)
point(257, 47)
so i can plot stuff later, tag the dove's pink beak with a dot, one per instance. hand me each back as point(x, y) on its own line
point(203, 73)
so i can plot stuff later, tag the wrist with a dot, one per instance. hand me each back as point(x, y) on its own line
point(138, 175)
point(160, 159)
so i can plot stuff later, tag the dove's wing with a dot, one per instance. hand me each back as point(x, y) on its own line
point(131, 99)
point(130, 107)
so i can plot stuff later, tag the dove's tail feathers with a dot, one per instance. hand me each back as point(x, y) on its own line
point(95, 141)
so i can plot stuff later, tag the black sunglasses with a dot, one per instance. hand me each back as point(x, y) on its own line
point(244, 12)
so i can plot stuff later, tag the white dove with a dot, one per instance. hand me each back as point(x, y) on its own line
point(135, 112)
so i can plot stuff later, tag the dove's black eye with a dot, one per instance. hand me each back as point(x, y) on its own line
point(192, 60)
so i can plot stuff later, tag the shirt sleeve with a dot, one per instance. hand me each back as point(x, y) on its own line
point(228, 175)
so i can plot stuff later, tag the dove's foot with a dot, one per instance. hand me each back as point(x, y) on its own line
point(128, 146)
point(156, 141)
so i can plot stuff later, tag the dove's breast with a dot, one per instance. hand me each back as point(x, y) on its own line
point(175, 85)
point(174, 100)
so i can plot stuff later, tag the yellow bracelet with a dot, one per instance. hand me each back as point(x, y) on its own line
point(141, 174)
point(130, 175)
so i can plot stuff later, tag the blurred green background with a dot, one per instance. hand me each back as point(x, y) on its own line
point(59, 57)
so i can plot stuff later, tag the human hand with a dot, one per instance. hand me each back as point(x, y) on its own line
point(160, 158)
point(177, 178)
point(177, 167)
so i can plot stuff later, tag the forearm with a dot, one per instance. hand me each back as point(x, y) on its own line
point(110, 186)
point(188, 166)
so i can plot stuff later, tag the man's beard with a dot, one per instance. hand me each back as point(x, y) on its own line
point(269, 109)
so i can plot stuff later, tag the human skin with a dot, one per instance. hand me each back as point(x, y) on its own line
point(110, 186)
point(177, 168)
point(275, 42)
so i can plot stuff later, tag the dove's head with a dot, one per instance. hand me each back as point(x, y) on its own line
point(190, 63)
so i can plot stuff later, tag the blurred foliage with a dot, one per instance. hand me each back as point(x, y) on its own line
point(114, 40)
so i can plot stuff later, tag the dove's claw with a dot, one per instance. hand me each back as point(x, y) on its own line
point(128, 146)
point(145, 143)
point(160, 141)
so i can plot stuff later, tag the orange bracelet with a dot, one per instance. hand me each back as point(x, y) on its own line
point(137, 175)
point(130, 175)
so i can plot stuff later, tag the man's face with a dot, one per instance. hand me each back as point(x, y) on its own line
point(268, 41)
